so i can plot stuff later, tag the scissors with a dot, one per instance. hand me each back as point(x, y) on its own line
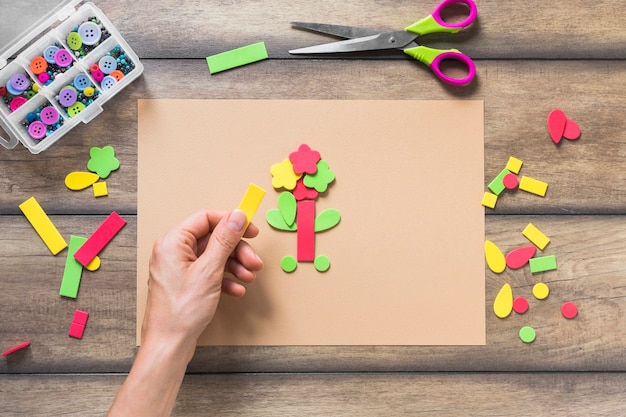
point(361, 39)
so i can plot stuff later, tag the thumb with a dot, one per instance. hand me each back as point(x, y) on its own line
point(225, 237)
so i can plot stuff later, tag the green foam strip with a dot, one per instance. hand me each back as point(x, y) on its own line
point(544, 263)
point(73, 269)
point(237, 57)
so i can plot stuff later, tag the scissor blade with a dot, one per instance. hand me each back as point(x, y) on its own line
point(348, 32)
point(380, 41)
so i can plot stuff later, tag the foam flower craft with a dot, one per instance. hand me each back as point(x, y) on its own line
point(102, 161)
point(321, 178)
point(304, 160)
point(283, 175)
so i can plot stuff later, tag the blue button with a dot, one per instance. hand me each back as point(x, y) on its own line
point(108, 82)
point(81, 81)
point(49, 52)
point(107, 64)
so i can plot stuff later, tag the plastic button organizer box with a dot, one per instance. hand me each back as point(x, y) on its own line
point(59, 73)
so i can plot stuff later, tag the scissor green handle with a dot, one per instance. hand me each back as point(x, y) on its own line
point(433, 23)
point(434, 57)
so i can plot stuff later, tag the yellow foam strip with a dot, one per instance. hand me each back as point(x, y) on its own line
point(43, 225)
point(251, 201)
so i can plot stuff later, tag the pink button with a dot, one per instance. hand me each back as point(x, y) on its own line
point(17, 102)
point(62, 58)
point(43, 77)
point(98, 75)
point(49, 115)
point(37, 130)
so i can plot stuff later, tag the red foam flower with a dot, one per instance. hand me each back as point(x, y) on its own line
point(304, 160)
point(302, 192)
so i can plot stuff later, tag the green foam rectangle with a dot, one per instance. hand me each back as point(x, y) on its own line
point(237, 57)
point(73, 269)
point(496, 185)
point(543, 263)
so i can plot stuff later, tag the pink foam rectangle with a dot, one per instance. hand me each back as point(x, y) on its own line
point(99, 239)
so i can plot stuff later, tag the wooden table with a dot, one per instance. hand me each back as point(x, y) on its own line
point(531, 57)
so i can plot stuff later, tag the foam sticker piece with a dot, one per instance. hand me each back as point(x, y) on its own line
point(541, 291)
point(236, 57)
point(305, 160)
point(287, 206)
point(556, 124)
point(542, 264)
point(527, 334)
point(494, 257)
point(519, 257)
point(16, 348)
point(533, 186)
point(289, 264)
point(73, 269)
point(276, 220)
point(43, 225)
point(572, 130)
point(251, 201)
point(283, 175)
point(103, 161)
point(77, 181)
point(536, 236)
point(306, 231)
point(321, 263)
point(520, 305)
point(77, 328)
point(489, 200)
point(569, 310)
point(503, 303)
point(94, 265)
point(99, 239)
point(514, 165)
point(327, 219)
point(510, 181)
point(321, 179)
point(496, 186)
point(100, 189)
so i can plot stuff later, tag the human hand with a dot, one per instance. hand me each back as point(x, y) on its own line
point(187, 270)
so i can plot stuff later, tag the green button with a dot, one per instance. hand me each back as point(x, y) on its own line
point(74, 41)
point(75, 108)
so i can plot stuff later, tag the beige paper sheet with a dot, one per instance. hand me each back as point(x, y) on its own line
point(407, 266)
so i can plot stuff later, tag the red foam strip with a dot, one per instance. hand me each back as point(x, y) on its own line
point(306, 230)
point(99, 239)
point(76, 330)
point(80, 317)
point(16, 348)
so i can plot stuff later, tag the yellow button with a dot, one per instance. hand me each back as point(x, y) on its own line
point(89, 91)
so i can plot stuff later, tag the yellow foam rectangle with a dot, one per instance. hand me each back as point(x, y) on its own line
point(536, 236)
point(100, 189)
point(533, 186)
point(514, 165)
point(489, 200)
point(43, 225)
point(251, 201)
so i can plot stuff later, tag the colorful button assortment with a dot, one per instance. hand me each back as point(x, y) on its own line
point(111, 68)
point(42, 122)
point(17, 90)
point(53, 61)
point(87, 36)
point(78, 95)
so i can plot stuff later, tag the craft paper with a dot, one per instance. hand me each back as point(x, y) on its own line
point(407, 263)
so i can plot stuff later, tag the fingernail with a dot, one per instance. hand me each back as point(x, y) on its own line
point(237, 220)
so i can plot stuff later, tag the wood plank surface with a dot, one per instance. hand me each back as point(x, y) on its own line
point(531, 57)
point(398, 394)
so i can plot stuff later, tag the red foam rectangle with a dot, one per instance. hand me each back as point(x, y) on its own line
point(76, 330)
point(99, 239)
point(80, 317)
point(306, 230)
point(16, 348)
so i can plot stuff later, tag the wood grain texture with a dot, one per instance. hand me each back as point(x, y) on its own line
point(531, 57)
point(396, 394)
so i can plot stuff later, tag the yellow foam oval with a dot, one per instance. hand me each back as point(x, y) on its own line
point(494, 256)
point(94, 265)
point(503, 304)
point(80, 180)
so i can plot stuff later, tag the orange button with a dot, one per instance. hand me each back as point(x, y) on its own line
point(117, 74)
point(38, 65)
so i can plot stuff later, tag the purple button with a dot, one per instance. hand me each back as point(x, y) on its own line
point(17, 102)
point(37, 130)
point(62, 58)
point(19, 82)
point(49, 115)
point(67, 97)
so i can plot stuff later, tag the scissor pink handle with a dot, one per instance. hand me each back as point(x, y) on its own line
point(473, 12)
point(435, 66)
